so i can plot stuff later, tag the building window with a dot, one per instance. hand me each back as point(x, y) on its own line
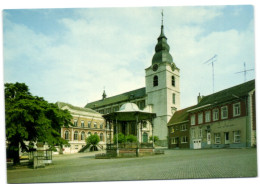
point(82, 136)
point(75, 122)
point(192, 133)
point(207, 116)
point(95, 125)
point(76, 135)
point(200, 118)
point(215, 114)
point(173, 98)
point(192, 119)
point(82, 123)
point(101, 137)
point(89, 134)
point(95, 133)
point(144, 124)
point(89, 124)
point(184, 127)
point(236, 109)
point(115, 108)
point(217, 138)
point(237, 136)
point(155, 80)
point(67, 135)
point(200, 132)
point(108, 111)
point(173, 81)
point(101, 126)
point(184, 139)
point(224, 112)
point(174, 140)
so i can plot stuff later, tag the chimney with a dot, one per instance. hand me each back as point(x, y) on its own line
point(104, 95)
point(199, 98)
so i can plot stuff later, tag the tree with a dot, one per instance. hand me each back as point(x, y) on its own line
point(93, 140)
point(31, 118)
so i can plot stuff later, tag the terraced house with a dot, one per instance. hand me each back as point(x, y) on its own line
point(86, 122)
point(226, 119)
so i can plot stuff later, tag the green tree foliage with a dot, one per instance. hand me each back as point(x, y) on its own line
point(31, 118)
point(131, 138)
point(156, 138)
point(93, 140)
point(121, 138)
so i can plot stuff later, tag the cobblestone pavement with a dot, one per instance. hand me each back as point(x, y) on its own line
point(174, 164)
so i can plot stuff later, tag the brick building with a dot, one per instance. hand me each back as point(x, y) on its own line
point(223, 119)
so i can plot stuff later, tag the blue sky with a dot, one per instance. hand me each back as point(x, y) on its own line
point(71, 55)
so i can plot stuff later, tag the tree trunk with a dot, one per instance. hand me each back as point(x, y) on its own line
point(15, 149)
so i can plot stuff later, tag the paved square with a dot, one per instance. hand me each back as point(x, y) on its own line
point(174, 164)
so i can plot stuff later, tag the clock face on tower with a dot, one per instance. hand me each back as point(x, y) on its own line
point(155, 67)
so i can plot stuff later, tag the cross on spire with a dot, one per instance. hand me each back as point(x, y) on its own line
point(162, 17)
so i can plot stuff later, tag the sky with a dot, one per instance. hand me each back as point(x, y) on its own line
point(72, 55)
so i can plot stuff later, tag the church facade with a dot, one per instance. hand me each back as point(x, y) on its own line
point(161, 94)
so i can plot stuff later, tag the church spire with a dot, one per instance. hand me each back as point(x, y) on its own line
point(162, 48)
point(162, 29)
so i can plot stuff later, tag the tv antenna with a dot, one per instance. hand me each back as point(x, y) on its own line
point(211, 61)
point(244, 71)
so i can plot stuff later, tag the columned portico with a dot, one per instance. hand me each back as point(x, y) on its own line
point(123, 120)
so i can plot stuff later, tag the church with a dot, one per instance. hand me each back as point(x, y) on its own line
point(161, 94)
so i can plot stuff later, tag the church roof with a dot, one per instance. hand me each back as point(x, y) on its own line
point(124, 97)
point(62, 104)
point(235, 92)
point(180, 116)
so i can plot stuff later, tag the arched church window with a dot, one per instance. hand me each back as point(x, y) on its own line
point(173, 81)
point(155, 80)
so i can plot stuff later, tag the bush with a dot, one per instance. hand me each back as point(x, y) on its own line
point(121, 138)
point(155, 138)
point(131, 138)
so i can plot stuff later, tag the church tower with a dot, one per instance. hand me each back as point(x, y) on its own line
point(162, 87)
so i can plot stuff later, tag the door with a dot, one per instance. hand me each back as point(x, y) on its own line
point(145, 137)
point(208, 138)
point(197, 144)
point(226, 137)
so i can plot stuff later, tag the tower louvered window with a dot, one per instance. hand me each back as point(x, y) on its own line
point(155, 80)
